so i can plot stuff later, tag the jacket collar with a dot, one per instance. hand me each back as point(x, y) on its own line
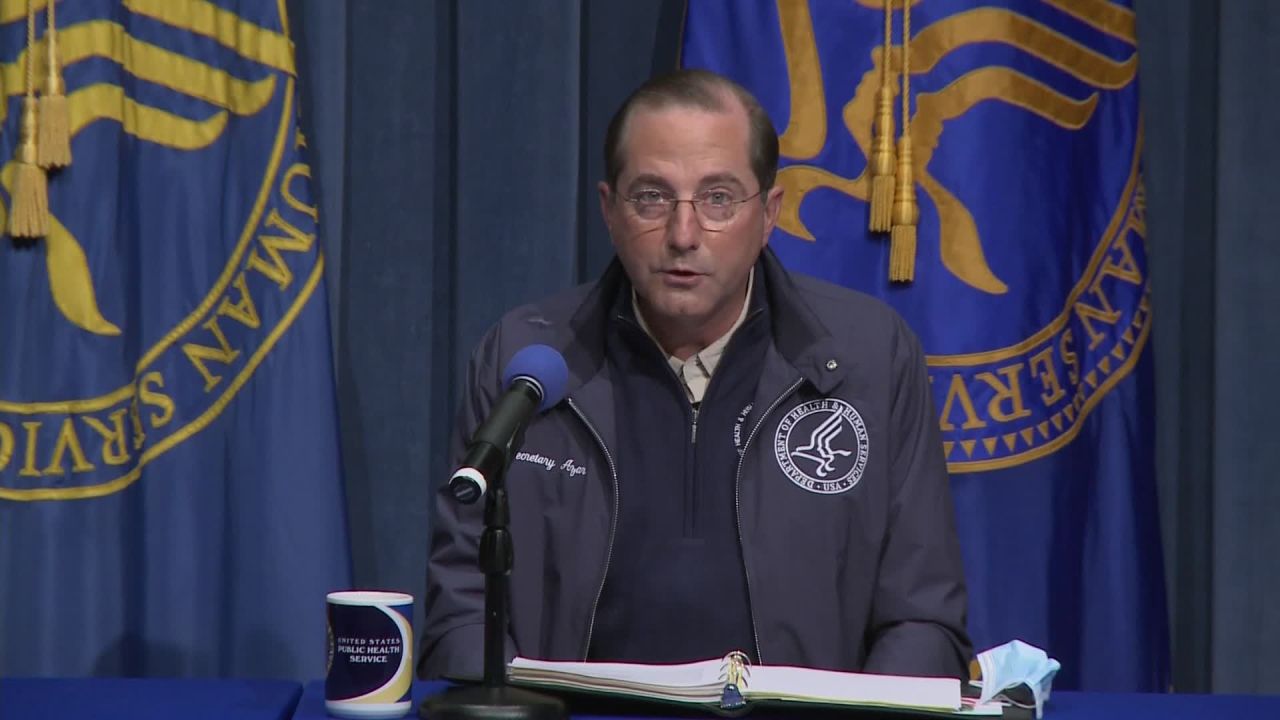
point(798, 334)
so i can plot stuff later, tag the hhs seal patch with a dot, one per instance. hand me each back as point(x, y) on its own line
point(822, 446)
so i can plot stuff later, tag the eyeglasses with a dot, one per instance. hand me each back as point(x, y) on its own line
point(715, 208)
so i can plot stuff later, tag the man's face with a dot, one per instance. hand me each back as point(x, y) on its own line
point(688, 278)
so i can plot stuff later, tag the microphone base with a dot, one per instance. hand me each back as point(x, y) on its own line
point(501, 702)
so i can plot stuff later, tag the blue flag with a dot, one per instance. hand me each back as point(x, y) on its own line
point(170, 487)
point(1027, 282)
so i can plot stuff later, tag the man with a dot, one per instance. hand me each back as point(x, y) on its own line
point(746, 459)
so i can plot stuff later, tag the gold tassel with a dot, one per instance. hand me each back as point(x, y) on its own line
point(882, 159)
point(902, 239)
point(29, 212)
point(54, 143)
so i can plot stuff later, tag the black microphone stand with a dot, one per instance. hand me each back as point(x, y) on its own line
point(494, 698)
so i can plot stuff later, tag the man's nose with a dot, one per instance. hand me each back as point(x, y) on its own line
point(683, 231)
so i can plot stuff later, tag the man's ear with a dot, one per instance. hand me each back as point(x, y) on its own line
point(606, 205)
point(772, 206)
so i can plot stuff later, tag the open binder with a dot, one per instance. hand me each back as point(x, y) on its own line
point(732, 685)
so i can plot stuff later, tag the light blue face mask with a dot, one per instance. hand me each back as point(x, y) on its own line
point(1016, 663)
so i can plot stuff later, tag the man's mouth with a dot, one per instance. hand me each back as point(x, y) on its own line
point(680, 277)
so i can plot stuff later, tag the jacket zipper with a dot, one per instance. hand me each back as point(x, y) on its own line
point(613, 524)
point(737, 503)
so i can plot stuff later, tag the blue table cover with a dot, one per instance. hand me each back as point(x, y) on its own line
point(1063, 706)
point(147, 699)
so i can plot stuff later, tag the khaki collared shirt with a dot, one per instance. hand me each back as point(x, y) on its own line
point(695, 372)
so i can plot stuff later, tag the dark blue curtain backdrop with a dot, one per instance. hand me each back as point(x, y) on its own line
point(456, 146)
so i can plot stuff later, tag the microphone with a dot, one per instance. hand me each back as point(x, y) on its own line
point(533, 381)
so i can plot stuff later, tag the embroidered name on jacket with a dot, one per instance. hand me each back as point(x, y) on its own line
point(570, 466)
point(822, 446)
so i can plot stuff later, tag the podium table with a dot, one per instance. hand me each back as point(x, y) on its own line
point(1063, 706)
point(147, 699)
point(163, 699)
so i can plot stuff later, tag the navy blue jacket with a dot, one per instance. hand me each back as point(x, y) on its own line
point(844, 509)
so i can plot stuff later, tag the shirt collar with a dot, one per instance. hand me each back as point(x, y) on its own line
point(695, 371)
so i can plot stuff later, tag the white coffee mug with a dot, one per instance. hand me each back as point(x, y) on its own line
point(370, 670)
